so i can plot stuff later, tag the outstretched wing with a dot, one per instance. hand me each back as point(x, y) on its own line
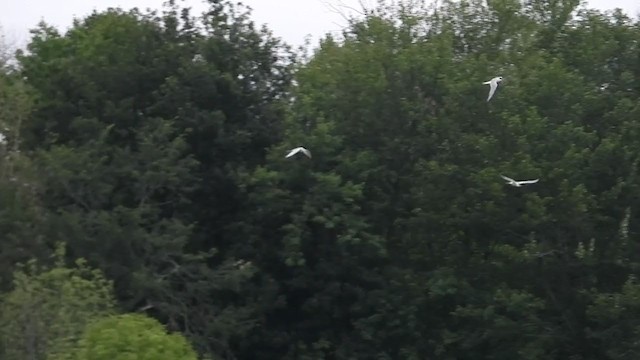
point(528, 181)
point(306, 152)
point(507, 178)
point(494, 86)
point(293, 152)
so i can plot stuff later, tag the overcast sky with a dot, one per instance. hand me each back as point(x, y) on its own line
point(291, 20)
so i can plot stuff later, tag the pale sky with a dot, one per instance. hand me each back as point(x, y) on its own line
point(290, 20)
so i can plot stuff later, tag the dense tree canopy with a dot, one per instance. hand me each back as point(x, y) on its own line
point(153, 145)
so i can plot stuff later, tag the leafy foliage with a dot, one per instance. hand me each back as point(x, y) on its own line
point(131, 336)
point(153, 145)
point(47, 310)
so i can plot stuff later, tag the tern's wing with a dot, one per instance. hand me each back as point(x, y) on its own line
point(293, 152)
point(507, 178)
point(486, 82)
point(528, 181)
point(306, 152)
point(494, 86)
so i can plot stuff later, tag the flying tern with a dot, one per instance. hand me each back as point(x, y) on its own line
point(297, 150)
point(515, 183)
point(494, 85)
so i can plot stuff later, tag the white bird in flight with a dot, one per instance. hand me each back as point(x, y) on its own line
point(297, 150)
point(494, 85)
point(515, 183)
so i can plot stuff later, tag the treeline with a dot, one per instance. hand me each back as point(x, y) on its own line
point(147, 206)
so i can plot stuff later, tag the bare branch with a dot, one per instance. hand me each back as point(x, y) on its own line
point(334, 9)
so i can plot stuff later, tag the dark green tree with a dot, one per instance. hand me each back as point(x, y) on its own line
point(140, 126)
